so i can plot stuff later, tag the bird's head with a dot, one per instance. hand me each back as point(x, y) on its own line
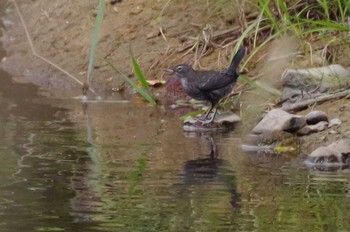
point(182, 71)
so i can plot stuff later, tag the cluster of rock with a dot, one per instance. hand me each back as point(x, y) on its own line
point(336, 154)
point(302, 88)
point(279, 120)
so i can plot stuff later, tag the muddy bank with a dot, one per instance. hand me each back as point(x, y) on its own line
point(62, 33)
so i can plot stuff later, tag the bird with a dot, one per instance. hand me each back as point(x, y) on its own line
point(208, 85)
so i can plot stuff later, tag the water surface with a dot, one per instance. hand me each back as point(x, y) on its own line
point(129, 167)
point(70, 166)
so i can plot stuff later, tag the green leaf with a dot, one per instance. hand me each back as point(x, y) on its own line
point(95, 36)
point(284, 149)
point(139, 90)
point(246, 80)
point(324, 25)
point(138, 71)
point(261, 85)
point(191, 114)
point(268, 88)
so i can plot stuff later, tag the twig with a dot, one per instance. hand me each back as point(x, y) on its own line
point(349, 26)
point(162, 33)
point(30, 41)
point(304, 104)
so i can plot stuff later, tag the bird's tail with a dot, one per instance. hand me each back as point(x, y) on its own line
point(236, 60)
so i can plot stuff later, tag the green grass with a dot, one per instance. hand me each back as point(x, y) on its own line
point(314, 17)
point(140, 90)
point(144, 89)
point(305, 20)
point(138, 72)
point(95, 37)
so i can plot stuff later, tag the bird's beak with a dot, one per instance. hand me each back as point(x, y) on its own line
point(169, 70)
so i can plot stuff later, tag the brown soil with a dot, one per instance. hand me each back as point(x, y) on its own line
point(160, 33)
point(61, 32)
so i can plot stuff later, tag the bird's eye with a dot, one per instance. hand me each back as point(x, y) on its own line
point(179, 69)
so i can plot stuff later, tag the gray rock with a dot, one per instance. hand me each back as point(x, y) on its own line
point(343, 146)
point(325, 156)
point(308, 83)
point(327, 77)
point(227, 117)
point(333, 132)
point(334, 154)
point(271, 138)
point(320, 126)
point(334, 122)
point(309, 129)
point(315, 117)
point(295, 124)
point(279, 120)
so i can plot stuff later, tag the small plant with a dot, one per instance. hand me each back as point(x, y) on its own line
point(143, 90)
point(303, 18)
point(138, 72)
point(95, 36)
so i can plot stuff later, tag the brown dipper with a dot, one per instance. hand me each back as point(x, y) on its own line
point(210, 85)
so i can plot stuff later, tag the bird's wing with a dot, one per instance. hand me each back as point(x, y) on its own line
point(211, 82)
point(216, 80)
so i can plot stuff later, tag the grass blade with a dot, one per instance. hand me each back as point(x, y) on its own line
point(260, 85)
point(268, 88)
point(95, 36)
point(139, 90)
point(245, 79)
point(138, 71)
point(323, 25)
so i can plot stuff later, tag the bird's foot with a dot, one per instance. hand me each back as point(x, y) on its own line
point(205, 120)
point(203, 117)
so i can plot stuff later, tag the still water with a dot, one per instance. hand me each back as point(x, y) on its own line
point(68, 166)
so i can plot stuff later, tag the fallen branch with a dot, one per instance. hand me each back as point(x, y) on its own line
point(304, 104)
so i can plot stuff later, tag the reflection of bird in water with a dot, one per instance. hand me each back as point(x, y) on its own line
point(210, 170)
point(206, 171)
point(209, 86)
point(201, 171)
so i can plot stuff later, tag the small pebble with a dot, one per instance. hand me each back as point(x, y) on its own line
point(112, 2)
point(153, 34)
point(321, 126)
point(333, 132)
point(136, 10)
point(334, 122)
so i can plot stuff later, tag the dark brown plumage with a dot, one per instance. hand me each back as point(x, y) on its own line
point(209, 86)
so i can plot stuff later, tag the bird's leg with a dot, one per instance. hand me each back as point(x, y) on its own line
point(207, 121)
point(206, 114)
